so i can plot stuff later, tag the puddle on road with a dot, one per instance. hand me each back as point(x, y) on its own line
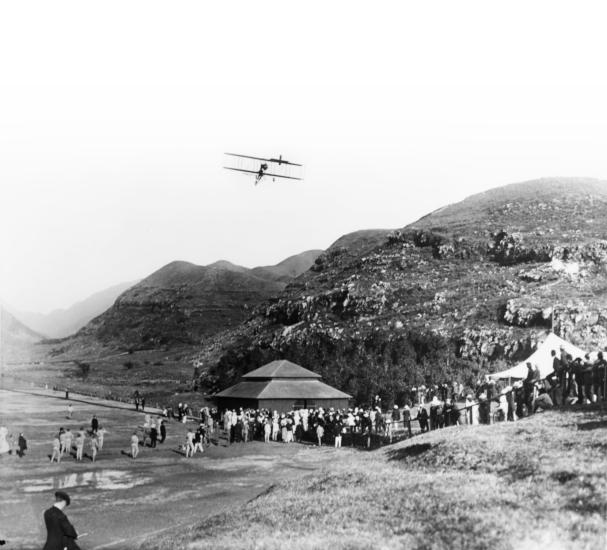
point(109, 480)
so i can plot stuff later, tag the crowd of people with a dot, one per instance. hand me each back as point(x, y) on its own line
point(67, 441)
point(572, 380)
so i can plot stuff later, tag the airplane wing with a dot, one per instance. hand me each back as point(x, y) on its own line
point(247, 157)
point(265, 173)
point(280, 161)
point(279, 176)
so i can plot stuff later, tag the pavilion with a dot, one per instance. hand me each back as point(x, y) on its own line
point(281, 386)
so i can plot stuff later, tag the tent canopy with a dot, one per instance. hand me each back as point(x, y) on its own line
point(541, 357)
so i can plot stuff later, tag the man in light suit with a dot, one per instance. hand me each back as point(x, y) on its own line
point(61, 534)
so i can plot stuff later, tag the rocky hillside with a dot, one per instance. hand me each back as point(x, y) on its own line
point(183, 303)
point(461, 291)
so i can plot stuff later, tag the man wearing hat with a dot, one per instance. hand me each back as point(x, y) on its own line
point(60, 532)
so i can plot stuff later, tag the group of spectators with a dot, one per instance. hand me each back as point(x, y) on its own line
point(65, 441)
point(318, 425)
point(578, 380)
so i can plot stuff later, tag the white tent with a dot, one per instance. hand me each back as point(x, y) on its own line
point(541, 357)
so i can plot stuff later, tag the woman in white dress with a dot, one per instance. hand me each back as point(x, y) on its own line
point(471, 410)
point(4, 445)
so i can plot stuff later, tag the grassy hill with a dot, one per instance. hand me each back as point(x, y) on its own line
point(182, 303)
point(537, 483)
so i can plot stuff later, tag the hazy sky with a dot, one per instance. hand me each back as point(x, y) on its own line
point(114, 117)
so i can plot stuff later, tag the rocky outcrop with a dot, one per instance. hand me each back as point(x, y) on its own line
point(455, 294)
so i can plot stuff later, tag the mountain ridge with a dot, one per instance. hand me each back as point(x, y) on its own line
point(182, 302)
point(457, 293)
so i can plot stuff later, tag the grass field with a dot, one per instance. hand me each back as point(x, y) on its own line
point(164, 377)
point(538, 483)
point(118, 501)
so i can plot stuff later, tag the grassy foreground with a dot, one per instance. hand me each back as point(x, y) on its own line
point(537, 483)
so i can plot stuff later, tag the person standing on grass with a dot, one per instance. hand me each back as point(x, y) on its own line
point(153, 435)
point(22, 444)
point(320, 432)
point(289, 427)
point(578, 376)
point(484, 409)
point(63, 441)
point(267, 430)
point(555, 377)
point(79, 445)
point(210, 424)
point(587, 377)
point(100, 436)
point(407, 419)
point(528, 386)
point(338, 427)
point(189, 443)
point(511, 403)
point(94, 424)
point(275, 427)
point(143, 403)
point(245, 429)
point(599, 368)
point(94, 447)
point(163, 431)
point(69, 440)
point(70, 409)
point(134, 445)
point(395, 416)
point(471, 411)
point(283, 428)
point(434, 406)
point(198, 439)
point(56, 454)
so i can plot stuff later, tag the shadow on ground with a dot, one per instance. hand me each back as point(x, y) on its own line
point(411, 450)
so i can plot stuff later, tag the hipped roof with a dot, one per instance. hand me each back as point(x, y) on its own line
point(542, 358)
point(281, 369)
point(283, 389)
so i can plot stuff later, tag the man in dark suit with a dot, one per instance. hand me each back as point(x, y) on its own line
point(60, 532)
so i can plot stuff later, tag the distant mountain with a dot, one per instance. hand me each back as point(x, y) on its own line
point(15, 333)
point(64, 322)
point(290, 268)
point(182, 303)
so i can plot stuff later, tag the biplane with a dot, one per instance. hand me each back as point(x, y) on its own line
point(279, 168)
